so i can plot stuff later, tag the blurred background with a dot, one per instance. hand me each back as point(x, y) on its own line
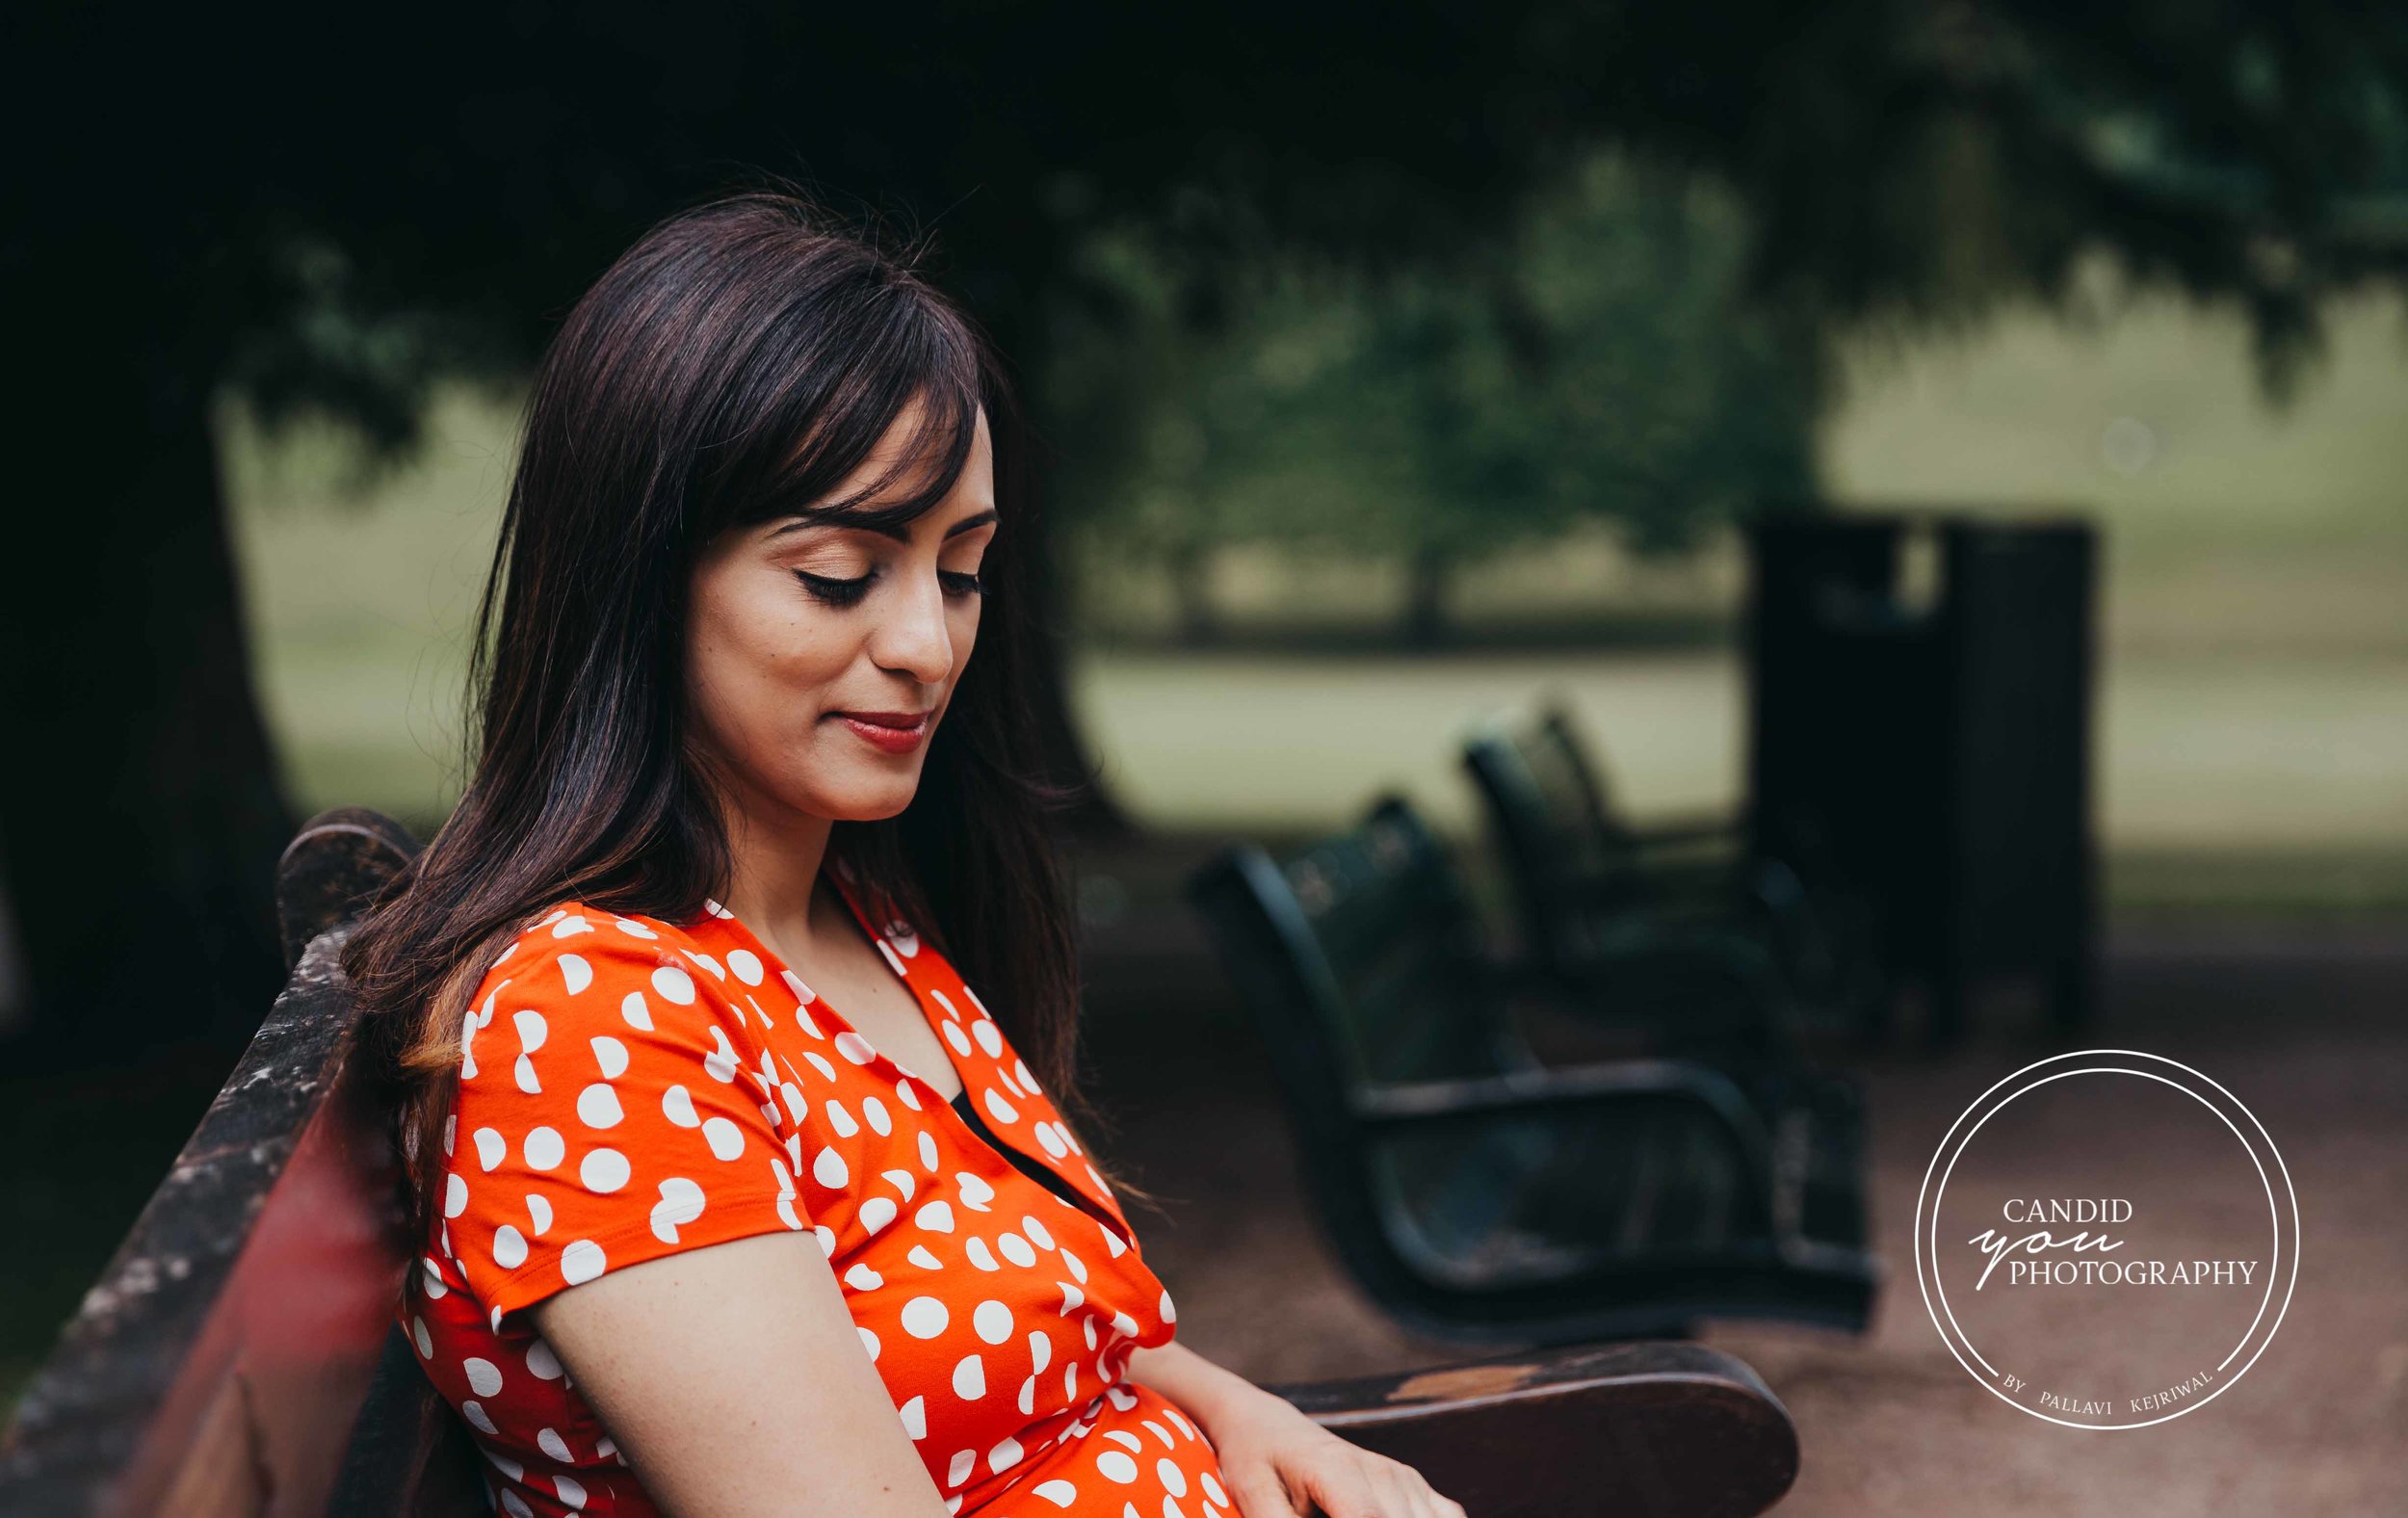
point(1392, 375)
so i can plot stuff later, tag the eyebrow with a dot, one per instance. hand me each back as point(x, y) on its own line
point(844, 519)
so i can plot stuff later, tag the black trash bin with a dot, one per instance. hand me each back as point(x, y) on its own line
point(1934, 748)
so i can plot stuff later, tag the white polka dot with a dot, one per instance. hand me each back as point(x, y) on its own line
point(604, 1170)
point(965, 1462)
point(540, 1214)
point(840, 1119)
point(514, 1505)
point(673, 985)
point(1001, 1111)
point(861, 1279)
point(869, 1342)
point(923, 1317)
point(812, 1057)
point(1212, 1489)
point(541, 1363)
point(926, 1261)
point(970, 1378)
point(1061, 1494)
point(611, 1054)
point(828, 1169)
point(915, 1417)
point(677, 1106)
point(725, 1139)
point(826, 1236)
point(597, 1107)
point(1078, 1267)
point(531, 1029)
point(1020, 1068)
point(721, 1063)
point(747, 964)
point(545, 1149)
point(904, 1095)
point(523, 1071)
point(550, 1442)
point(425, 1340)
point(484, 1377)
point(873, 1112)
point(1169, 1312)
point(1004, 1456)
point(510, 1247)
point(482, 1423)
point(633, 929)
point(491, 1147)
point(1167, 1471)
point(581, 1262)
point(1051, 1141)
point(571, 923)
point(993, 1320)
point(433, 1284)
point(877, 1213)
point(1037, 1230)
point(901, 1180)
point(976, 1193)
point(928, 1151)
point(575, 973)
point(957, 1037)
point(935, 1216)
point(853, 1047)
point(1040, 1350)
point(454, 1197)
point(974, 1248)
point(794, 984)
point(1015, 1249)
point(681, 1203)
point(572, 1490)
point(989, 1039)
point(1117, 1467)
point(636, 1012)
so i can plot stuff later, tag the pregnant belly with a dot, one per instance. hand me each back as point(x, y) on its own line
point(1130, 1450)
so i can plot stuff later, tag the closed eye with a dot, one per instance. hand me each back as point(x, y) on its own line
point(835, 591)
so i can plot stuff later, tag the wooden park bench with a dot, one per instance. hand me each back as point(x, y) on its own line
point(238, 1357)
point(1480, 1194)
point(1590, 887)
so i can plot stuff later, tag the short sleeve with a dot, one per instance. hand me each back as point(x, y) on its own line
point(611, 1109)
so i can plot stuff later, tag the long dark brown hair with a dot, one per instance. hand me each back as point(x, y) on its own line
point(739, 362)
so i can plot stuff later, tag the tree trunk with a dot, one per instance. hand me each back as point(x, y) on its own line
point(141, 815)
point(1426, 599)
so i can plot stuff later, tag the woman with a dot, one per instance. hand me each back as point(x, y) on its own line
point(736, 1197)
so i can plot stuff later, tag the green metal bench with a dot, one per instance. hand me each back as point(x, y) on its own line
point(1591, 889)
point(1480, 1195)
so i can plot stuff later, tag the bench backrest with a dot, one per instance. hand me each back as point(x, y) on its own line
point(1554, 819)
point(236, 1356)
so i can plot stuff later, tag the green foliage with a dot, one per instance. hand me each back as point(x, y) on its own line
point(1597, 361)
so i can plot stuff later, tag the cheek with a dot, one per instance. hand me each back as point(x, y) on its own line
point(763, 670)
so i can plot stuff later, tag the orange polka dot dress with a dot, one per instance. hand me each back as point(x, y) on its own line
point(630, 1088)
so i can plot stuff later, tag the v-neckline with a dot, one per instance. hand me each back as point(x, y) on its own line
point(819, 1005)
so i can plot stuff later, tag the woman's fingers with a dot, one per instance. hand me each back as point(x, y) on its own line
point(1260, 1493)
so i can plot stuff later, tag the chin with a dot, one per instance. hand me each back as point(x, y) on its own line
point(872, 801)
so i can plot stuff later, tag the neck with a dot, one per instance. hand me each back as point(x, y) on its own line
point(775, 854)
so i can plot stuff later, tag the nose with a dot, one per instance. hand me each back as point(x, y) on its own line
point(911, 637)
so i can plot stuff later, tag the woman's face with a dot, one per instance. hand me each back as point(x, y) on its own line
point(819, 657)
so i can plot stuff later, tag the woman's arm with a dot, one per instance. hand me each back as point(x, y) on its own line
point(732, 1378)
point(1279, 1462)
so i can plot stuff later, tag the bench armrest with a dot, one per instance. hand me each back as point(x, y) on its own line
point(1665, 1429)
point(1571, 1090)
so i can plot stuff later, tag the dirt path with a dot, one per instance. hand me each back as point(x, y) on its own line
point(2309, 1034)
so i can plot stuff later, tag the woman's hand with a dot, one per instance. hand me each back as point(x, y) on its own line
point(1278, 1463)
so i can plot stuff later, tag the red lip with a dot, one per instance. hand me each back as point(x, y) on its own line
point(894, 732)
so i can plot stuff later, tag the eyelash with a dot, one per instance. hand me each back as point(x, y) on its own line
point(848, 593)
